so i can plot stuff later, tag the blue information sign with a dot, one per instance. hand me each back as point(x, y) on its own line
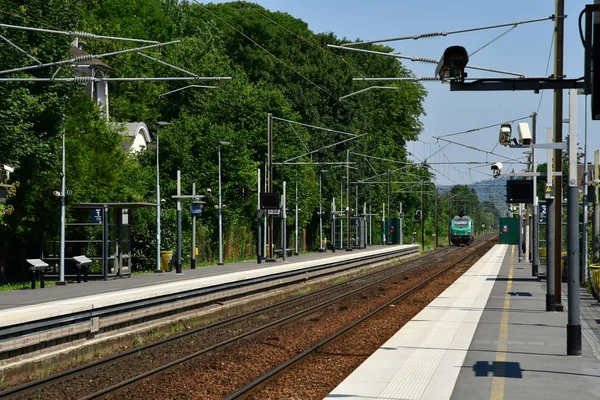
point(196, 208)
point(96, 215)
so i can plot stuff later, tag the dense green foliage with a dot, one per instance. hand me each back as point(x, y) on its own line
point(285, 69)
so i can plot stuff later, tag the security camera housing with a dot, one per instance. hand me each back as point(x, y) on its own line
point(505, 134)
point(56, 193)
point(525, 137)
point(452, 64)
point(496, 169)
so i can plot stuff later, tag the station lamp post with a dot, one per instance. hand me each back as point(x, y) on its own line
point(221, 143)
point(158, 125)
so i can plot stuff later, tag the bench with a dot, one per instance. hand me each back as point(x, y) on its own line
point(37, 265)
point(279, 252)
point(82, 262)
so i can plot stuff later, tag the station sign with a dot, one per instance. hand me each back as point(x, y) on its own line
point(543, 213)
point(96, 215)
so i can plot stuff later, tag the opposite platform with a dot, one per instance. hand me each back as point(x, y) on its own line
point(486, 337)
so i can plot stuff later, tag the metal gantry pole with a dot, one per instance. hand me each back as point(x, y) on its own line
point(574, 322)
point(193, 255)
point(401, 224)
point(284, 223)
point(259, 240)
point(296, 218)
point(178, 264)
point(436, 217)
point(422, 221)
point(596, 215)
point(348, 241)
point(389, 238)
point(63, 208)
point(536, 222)
point(550, 261)
point(370, 225)
point(270, 183)
point(558, 137)
point(320, 212)
point(584, 239)
point(520, 232)
point(220, 210)
point(341, 215)
point(158, 269)
point(383, 227)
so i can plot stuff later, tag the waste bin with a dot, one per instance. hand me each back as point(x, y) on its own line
point(165, 260)
point(595, 272)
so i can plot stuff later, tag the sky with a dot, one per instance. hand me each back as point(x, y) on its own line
point(525, 49)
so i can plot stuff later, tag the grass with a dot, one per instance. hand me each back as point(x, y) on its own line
point(22, 285)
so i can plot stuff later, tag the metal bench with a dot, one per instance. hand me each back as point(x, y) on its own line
point(82, 262)
point(37, 265)
point(279, 252)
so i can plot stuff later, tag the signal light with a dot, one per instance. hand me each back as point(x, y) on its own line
point(418, 214)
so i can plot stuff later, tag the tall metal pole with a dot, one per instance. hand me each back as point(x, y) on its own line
point(550, 260)
point(178, 263)
point(536, 222)
point(348, 242)
point(449, 220)
point(220, 213)
point(193, 255)
point(574, 322)
point(265, 238)
point(557, 128)
point(370, 224)
point(284, 223)
point(422, 221)
point(341, 215)
point(270, 183)
point(596, 216)
point(320, 212)
point(383, 228)
point(259, 239)
point(436, 217)
point(296, 218)
point(63, 208)
point(389, 236)
point(158, 269)
point(584, 239)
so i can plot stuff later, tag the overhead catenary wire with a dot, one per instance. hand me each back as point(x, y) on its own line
point(167, 64)
point(325, 147)
point(87, 57)
point(419, 59)
point(547, 67)
point(492, 41)
point(313, 126)
point(485, 127)
point(248, 6)
point(436, 34)
point(266, 51)
point(78, 34)
point(478, 149)
point(20, 49)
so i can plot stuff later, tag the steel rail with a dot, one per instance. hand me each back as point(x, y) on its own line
point(255, 385)
point(287, 319)
point(357, 263)
point(134, 380)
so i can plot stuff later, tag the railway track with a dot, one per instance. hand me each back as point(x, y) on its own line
point(95, 380)
point(258, 384)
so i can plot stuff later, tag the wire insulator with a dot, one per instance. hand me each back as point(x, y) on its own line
point(429, 35)
point(83, 79)
point(424, 60)
point(85, 57)
point(83, 35)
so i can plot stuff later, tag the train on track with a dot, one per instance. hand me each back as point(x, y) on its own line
point(462, 231)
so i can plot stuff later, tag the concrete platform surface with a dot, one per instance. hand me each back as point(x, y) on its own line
point(27, 305)
point(488, 336)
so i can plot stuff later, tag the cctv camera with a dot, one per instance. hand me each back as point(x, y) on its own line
point(452, 64)
point(163, 201)
point(496, 169)
point(525, 134)
point(208, 191)
point(505, 134)
point(56, 193)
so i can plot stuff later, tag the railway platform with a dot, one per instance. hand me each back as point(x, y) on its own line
point(55, 317)
point(487, 336)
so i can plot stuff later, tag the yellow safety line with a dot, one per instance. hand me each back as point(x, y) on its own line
point(500, 367)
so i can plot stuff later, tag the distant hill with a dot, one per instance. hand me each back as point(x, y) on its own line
point(493, 190)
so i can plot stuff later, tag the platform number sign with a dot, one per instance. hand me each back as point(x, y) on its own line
point(96, 216)
point(543, 212)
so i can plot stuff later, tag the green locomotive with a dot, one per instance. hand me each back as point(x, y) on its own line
point(462, 231)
